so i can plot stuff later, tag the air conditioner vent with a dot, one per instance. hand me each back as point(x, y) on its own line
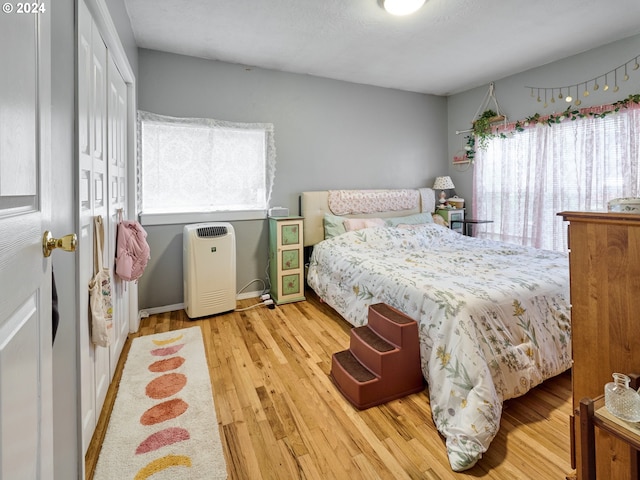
point(210, 232)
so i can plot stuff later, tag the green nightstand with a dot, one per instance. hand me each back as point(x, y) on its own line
point(286, 259)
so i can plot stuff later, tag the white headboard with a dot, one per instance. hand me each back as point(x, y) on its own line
point(314, 205)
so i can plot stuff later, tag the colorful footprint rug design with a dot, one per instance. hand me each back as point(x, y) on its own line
point(163, 425)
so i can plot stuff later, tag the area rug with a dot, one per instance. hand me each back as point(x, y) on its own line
point(163, 425)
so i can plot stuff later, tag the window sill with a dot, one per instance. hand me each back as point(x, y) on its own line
point(200, 217)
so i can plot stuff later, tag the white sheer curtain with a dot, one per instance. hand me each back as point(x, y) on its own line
point(203, 165)
point(522, 181)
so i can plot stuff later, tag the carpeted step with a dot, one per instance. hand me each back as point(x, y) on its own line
point(353, 367)
point(372, 339)
point(362, 388)
point(370, 348)
point(390, 323)
point(383, 360)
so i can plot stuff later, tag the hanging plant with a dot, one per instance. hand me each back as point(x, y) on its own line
point(482, 132)
point(482, 127)
point(573, 115)
point(470, 147)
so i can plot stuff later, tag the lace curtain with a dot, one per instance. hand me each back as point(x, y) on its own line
point(521, 182)
point(200, 164)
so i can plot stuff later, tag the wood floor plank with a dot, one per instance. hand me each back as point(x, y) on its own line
point(281, 417)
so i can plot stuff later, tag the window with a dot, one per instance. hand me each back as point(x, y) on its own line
point(194, 168)
point(522, 181)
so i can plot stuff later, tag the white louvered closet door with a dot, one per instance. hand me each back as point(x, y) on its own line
point(117, 155)
point(102, 190)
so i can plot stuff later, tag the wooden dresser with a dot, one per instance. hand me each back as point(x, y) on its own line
point(604, 264)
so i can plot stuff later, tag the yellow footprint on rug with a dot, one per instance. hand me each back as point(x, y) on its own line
point(162, 464)
point(168, 340)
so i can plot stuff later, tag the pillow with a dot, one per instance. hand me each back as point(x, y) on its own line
point(351, 224)
point(333, 225)
point(414, 219)
point(439, 220)
point(404, 226)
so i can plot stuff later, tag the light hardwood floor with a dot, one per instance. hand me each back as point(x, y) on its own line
point(280, 417)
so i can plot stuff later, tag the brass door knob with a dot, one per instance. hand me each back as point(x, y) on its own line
point(67, 243)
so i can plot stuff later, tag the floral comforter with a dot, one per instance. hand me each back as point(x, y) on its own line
point(494, 318)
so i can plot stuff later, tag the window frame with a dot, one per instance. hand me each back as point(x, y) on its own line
point(198, 216)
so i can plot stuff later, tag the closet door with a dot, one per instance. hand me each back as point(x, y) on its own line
point(117, 155)
point(92, 201)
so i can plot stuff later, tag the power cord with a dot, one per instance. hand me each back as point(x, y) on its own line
point(264, 286)
point(265, 300)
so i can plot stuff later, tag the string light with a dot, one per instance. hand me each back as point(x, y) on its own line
point(549, 92)
point(568, 98)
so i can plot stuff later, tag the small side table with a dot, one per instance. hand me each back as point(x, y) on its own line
point(594, 413)
point(468, 223)
point(286, 259)
point(454, 217)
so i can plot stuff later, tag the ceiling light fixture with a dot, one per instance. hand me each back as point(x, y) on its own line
point(402, 7)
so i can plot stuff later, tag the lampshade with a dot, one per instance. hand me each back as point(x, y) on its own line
point(402, 7)
point(443, 183)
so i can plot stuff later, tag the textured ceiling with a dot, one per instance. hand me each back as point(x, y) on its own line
point(447, 47)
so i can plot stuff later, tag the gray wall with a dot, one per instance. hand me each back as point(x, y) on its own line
point(120, 17)
point(516, 102)
point(66, 414)
point(329, 134)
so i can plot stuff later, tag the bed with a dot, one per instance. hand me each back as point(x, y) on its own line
point(494, 318)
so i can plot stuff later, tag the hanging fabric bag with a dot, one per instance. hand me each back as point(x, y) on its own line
point(100, 292)
point(132, 249)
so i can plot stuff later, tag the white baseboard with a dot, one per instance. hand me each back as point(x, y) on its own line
point(180, 306)
point(165, 308)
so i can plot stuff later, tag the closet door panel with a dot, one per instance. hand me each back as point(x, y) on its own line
point(93, 201)
point(116, 153)
point(85, 226)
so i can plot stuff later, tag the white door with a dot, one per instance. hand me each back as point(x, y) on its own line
point(117, 155)
point(26, 438)
point(92, 158)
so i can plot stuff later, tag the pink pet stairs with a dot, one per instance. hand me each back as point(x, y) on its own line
point(383, 360)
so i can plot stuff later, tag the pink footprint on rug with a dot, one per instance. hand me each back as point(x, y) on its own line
point(165, 385)
point(166, 364)
point(160, 439)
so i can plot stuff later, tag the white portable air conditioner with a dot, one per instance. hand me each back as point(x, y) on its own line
point(209, 267)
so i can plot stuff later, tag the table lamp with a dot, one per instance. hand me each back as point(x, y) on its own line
point(442, 184)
